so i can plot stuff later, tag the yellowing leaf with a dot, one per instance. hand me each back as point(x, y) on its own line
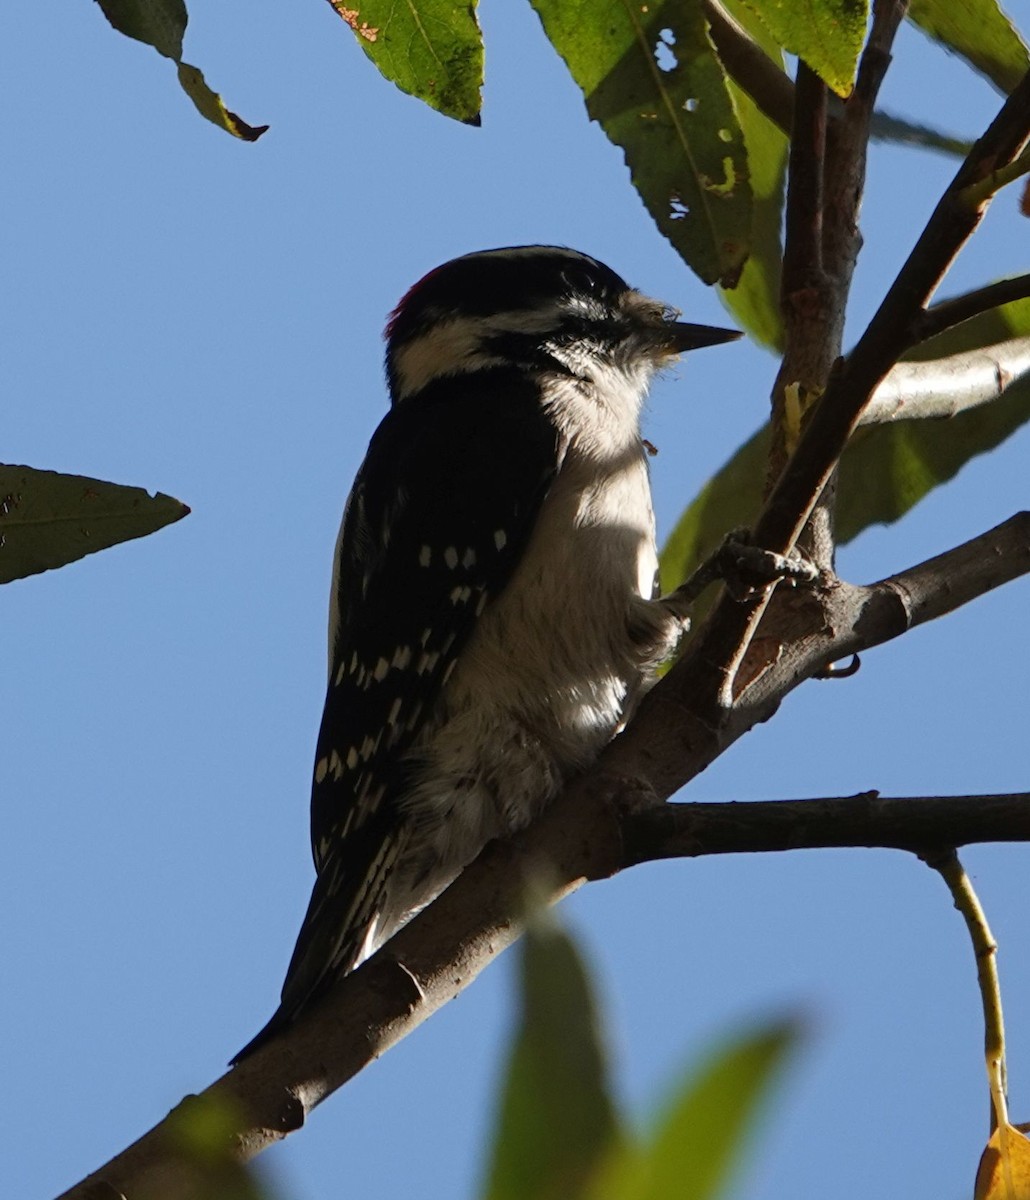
point(209, 104)
point(1004, 1171)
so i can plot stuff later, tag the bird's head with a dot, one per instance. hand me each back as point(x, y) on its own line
point(534, 308)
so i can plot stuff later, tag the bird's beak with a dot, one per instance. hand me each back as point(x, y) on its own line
point(683, 336)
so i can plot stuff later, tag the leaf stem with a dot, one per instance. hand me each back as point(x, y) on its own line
point(946, 863)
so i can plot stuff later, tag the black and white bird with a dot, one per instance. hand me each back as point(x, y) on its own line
point(494, 616)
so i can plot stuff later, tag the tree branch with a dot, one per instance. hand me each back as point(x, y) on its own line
point(913, 823)
point(949, 313)
point(889, 333)
point(750, 67)
point(610, 819)
point(943, 387)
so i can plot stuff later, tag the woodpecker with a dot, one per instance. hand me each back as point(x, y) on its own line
point(494, 615)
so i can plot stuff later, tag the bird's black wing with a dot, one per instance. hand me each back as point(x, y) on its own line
point(438, 519)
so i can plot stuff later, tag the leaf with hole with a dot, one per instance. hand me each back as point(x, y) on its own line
point(651, 80)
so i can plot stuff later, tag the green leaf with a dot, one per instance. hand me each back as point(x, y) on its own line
point(431, 49)
point(755, 300)
point(162, 24)
point(47, 520)
point(159, 23)
point(827, 34)
point(888, 128)
point(706, 1129)
point(651, 79)
point(557, 1120)
point(203, 1132)
point(979, 32)
point(885, 470)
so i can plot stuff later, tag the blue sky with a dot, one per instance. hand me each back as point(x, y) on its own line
point(196, 315)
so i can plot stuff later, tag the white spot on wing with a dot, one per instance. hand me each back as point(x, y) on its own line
point(352, 758)
point(450, 557)
point(468, 559)
point(395, 711)
point(427, 661)
point(401, 658)
point(382, 666)
point(425, 556)
point(321, 770)
point(500, 539)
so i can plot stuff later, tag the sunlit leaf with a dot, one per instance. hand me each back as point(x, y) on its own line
point(827, 34)
point(209, 104)
point(48, 520)
point(162, 24)
point(432, 49)
point(979, 32)
point(557, 1119)
point(651, 79)
point(705, 1130)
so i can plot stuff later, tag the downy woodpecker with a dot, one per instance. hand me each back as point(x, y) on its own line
point(494, 616)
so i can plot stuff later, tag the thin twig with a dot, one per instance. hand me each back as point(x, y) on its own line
point(949, 313)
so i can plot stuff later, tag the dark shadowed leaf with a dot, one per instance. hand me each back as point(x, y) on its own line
point(47, 520)
point(158, 23)
point(886, 469)
point(888, 128)
point(162, 24)
point(651, 79)
point(827, 34)
point(707, 1128)
point(431, 49)
point(979, 32)
point(557, 1120)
